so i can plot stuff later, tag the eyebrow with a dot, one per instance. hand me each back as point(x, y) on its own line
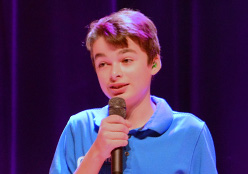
point(126, 50)
point(99, 55)
point(122, 51)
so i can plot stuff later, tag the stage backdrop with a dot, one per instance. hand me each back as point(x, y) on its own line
point(46, 74)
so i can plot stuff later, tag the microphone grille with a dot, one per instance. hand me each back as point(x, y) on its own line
point(117, 106)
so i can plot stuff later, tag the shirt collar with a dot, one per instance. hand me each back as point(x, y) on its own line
point(162, 118)
point(159, 122)
point(103, 113)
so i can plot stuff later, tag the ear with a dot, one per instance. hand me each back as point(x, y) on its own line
point(156, 65)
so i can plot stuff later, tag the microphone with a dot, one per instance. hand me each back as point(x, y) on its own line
point(117, 106)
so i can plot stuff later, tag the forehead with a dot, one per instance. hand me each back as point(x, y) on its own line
point(102, 48)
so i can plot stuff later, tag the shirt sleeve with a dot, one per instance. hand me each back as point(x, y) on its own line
point(64, 158)
point(204, 159)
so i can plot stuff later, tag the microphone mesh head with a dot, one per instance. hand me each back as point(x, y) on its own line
point(117, 106)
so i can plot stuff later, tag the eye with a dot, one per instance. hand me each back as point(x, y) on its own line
point(102, 64)
point(127, 60)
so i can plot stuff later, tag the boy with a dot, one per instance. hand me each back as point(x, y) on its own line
point(125, 52)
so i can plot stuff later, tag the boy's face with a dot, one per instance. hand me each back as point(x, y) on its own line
point(123, 72)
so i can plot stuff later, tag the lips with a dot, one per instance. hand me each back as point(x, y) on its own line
point(118, 86)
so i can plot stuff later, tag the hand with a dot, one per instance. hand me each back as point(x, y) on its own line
point(113, 133)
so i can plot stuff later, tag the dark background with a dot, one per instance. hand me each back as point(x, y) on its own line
point(46, 73)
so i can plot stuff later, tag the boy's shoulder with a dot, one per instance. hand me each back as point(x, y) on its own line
point(90, 115)
point(187, 120)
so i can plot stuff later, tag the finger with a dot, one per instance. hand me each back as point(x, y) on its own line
point(113, 127)
point(108, 141)
point(115, 136)
point(128, 123)
point(119, 143)
point(114, 119)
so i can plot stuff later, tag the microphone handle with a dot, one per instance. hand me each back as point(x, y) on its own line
point(117, 106)
point(116, 161)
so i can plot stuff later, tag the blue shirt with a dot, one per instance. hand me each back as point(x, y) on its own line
point(170, 143)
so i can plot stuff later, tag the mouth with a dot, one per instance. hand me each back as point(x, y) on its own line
point(119, 88)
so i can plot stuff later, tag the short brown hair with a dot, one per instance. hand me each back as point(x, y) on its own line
point(116, 27)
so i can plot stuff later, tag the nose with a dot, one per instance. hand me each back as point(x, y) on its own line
point(116, 72)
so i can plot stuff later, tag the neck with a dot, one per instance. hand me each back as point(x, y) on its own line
point(141, 112)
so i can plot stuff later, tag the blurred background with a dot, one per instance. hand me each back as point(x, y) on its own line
point(46, 73)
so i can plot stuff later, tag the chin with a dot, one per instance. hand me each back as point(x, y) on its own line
point(112, 96)
point(122, 95)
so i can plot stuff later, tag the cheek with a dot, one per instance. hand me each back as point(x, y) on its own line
point(141, 82)
point(103, 81)
point(142, 76)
